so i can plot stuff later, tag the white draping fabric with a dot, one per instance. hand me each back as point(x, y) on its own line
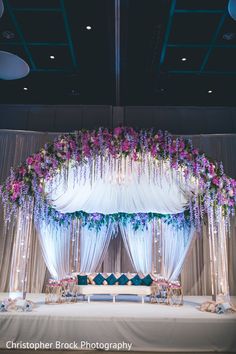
point(55, 244)
point(130, 192)
point(175, 244)
point(93, 247)
point(138, 244)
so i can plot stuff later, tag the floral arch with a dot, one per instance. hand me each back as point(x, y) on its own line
point(145, 177)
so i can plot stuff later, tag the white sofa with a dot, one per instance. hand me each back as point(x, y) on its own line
point(113, 290)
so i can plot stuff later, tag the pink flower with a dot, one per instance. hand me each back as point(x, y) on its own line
point(211, 169)
point(216, 181)
point(68, 155)
point(29, 160)
point(125, 146)
point(135, 156)
point(86, 150)
point(22, 170)
point(181, 145)
point(117, 131)
point(231, 193)
point(37, 157)
point(72, 145)
point(183, 154)
point(153, 151)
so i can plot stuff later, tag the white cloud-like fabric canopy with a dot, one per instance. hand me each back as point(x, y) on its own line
point(114, 192)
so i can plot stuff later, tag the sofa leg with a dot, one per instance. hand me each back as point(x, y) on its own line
point(114, 298)
point(88, 299)
point(142, 299)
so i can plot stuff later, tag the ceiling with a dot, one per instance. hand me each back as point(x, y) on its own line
point(132, 55)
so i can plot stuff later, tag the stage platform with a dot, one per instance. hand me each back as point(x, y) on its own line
point(147, 327)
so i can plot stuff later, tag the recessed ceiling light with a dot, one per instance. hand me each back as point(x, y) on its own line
point(88, 28)
point(25, 88)
point(52, 57)
point(209, 91)
point(183, 59)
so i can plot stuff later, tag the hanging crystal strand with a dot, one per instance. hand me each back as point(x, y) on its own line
point(81, 167)
point(161, 254)
point(140, 167)
point(153, 246)
point(223, 277)
point(85, 172)
point(77, 259)
point(129, 167)
point(21, 247)
point(90, 162)
point(148, 169)
point(72, 247)
point(212, 255)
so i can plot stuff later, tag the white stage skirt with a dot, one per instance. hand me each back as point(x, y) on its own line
point(148, 327)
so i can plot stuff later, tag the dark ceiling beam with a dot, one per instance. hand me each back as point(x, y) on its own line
point(20, 34)
point(199, 11)
point(205, 72)
point(56, 70)
point(213, 41)
point(46, 44)
point(36, 9)
point(170, 45)
point(167, 33)
point(117, 52)
point(68, 34)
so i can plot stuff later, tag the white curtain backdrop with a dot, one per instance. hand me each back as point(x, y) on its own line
point(55, 244)
point(93, 247)
point(119, 192)
point(138, 244)
point(174, 247)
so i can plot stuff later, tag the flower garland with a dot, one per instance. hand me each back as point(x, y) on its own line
point(26, 182)
point(138, 220)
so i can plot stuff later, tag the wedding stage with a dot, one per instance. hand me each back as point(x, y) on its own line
point(150, 327)
point(73, 199)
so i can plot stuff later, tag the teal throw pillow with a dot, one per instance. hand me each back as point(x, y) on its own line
point(82, 279)
point(99, 279)
point(136, 280)
point(111, 280)
point(123, 280)
point(147, 280)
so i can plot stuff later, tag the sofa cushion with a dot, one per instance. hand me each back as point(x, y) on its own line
point(82, 279)
point(136, 280)
point(111, 280)
point(123, 280)
point(147, 280)
point(99, 279)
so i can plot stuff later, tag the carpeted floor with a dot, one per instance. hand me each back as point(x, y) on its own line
point(147, 327)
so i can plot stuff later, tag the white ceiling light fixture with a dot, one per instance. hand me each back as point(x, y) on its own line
point(52, 57)
point(209, 91)
point(232, 9)
point(183, 59)
point(25, 88)
point(88, 28)
point(12, 67)
point(1, 8)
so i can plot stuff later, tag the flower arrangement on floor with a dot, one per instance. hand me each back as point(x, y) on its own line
point(18, 304)
point(218, 307)
point(25, 187)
